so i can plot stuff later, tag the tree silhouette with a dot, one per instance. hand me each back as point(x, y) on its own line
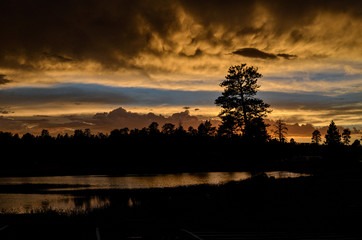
point(78, 133)
point(228, 126)
point(206, 129)
point(257, 131)
point(124, 131)
point(281, 130)
point(316, 137)
point(346, 135)
point(45, 133)
point(240, 106)
point(28, 138)
point(153, 129)
point(192, 131)
point(168, 128)
point(87, 133)
point(180, 131)
point(356, 143)
point(333, 137)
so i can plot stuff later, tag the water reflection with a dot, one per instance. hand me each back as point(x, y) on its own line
point(284, 174)
point(27, 203)
point(56, 191)
point(129, 181)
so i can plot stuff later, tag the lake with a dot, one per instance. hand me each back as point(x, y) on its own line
point(63, 193)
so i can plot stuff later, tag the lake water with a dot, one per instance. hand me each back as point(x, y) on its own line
point(28, 194)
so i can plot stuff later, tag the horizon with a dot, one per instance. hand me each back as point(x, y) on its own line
point(118, 118)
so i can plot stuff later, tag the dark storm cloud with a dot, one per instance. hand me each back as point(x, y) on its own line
point(4, 80)
point(254, 53)
point(287, 56)
point(113, 32)
point(82, 29)
point(285, 16)
point(56, 57)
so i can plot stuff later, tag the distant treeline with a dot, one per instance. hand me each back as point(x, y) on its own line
point(168, 149)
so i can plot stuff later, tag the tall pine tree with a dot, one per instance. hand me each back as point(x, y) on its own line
point(241, 110)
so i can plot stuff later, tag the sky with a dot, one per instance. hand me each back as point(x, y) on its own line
point(64, 64)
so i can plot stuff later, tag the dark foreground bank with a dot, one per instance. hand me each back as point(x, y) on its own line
point(170, 155)
point(328, 203)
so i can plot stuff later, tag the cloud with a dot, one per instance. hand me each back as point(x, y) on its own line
point(101, 94)
point(67, 93)
point(312, 101)
point(99, 122)
point(254, 53)
point(103, 32)
point(66, 54)
point(4, 80)
point(114, 33)
point(56, 57)
point(287, 56)
point(120, 118)
point(5, 110)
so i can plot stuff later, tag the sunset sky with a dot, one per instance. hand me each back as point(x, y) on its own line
point(67, 64)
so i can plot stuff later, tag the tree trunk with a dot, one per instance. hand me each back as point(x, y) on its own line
point(246, 121)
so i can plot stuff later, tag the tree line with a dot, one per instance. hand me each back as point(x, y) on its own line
point(205, 129)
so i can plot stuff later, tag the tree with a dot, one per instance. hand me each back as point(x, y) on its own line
point(168, 129)
point(45, 133)
point(238, 101)
point(346, 135)
point(206, 129)
point(192, 131)
point(78, 133)
point(356, 143)
point(281, 130)
point(87, 133)
point(180, 131)
point(28, 138)
point(257, 131)
point(316, 137)
point(124, 131)
point(333, 137)
point(228, 126)
point(44, 136)
point(153, 129)
point(115, 133)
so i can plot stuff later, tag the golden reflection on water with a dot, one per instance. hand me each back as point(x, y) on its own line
point(27, 202)
point(130, 181)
